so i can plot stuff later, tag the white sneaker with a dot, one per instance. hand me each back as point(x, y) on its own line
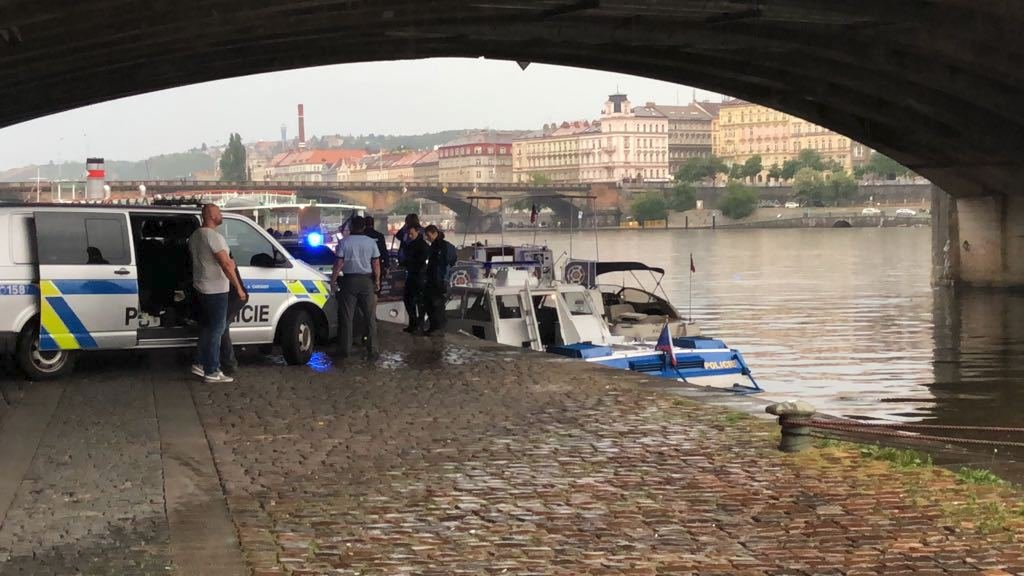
point(217, 377)
point(197, 369)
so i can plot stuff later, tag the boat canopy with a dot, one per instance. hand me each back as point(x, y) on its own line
point(608, 267)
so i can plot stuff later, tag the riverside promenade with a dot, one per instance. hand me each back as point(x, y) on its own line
point(451, 456)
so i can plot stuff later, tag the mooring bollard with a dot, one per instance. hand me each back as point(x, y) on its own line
point(795, 437)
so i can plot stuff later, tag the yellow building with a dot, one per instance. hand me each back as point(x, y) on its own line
point(743, 129)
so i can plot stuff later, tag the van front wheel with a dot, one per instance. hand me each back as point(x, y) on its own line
point(41, 364)
point(298, 337)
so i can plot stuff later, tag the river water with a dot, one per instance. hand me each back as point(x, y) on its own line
point(843, 318)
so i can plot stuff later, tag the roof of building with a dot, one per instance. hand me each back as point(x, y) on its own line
point(317, 156)
point(647, 112)
point(485, 137)
point(567, 128)
point(430, 157)
point(729, 102)
point(710, 107)
point(688, 112)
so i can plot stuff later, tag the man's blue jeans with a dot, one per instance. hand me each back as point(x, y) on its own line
point(211, 328)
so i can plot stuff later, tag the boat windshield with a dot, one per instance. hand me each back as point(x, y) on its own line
point(508, 307)
point(577, 304)
point(636, 296)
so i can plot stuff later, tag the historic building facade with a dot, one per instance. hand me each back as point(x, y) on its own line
point(744, 129)
point(481, 158)
point(627, 144)
point(690, 131)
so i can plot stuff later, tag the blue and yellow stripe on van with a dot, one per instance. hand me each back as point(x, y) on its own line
point(315, 290)
point(60, 328)
point(318, 291)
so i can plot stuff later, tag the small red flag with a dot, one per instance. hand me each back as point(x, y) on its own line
point(533, 214)
point(692, 267)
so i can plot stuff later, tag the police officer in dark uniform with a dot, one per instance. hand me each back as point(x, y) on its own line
point(382, 244)
point(442, 257)
point(415, 253)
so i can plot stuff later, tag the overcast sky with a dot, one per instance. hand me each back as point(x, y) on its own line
point(404, 97)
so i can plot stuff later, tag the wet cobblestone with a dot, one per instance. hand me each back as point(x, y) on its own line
point(92, 500)
point(442, 459)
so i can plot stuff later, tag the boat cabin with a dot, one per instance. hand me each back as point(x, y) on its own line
point(515, 308)
point(635, 309)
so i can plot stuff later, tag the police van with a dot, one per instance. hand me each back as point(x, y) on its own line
point(88, 277)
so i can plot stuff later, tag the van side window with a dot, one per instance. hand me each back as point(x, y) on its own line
point(85, 238)
point(248, 247)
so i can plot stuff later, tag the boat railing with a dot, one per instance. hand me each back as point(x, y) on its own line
point(495, 272)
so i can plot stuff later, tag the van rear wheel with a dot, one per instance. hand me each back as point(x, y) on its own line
point(41, 364)
point(297, 337)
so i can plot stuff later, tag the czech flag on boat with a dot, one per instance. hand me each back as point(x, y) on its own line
point(665, 345)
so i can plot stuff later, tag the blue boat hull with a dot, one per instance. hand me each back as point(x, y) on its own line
point(712, 363)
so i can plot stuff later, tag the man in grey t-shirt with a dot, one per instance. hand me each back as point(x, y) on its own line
point(213, 275)
point(359, 259)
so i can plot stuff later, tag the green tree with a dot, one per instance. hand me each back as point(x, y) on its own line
point(775, 172)
point(540, 179)
point(701, 169)
point(835, 167)
point(736, 172)
point(809, 185)
point(810, 159)
point(682, 197)
point(752, 167)
point(406, 206)
point(650, 207)
point(843, 187)
point(739, 201)
point(884, 167)
point(233, 167)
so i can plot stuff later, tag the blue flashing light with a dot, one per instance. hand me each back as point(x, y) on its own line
point(315, 239)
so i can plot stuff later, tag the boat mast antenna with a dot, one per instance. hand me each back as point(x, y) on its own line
point(501, 218)
point(593, 214)
point(469, 220)
point(572, 216)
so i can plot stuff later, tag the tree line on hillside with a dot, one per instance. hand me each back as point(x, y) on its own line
point(815, 181)
point(186, 164)
point(163, 167)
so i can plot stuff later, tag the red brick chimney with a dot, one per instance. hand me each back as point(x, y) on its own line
point(302, 128)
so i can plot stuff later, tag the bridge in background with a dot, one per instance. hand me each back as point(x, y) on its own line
point(473, 203)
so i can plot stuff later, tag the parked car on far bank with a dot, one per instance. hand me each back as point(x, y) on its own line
point(792, 205)
point(870, 212)
point(906, 212)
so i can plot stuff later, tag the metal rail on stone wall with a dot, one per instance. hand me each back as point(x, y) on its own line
point(797, 422)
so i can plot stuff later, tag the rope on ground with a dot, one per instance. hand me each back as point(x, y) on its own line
point(886, 431)
point(907, 426)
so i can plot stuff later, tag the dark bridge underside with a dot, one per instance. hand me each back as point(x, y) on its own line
point(937, 84)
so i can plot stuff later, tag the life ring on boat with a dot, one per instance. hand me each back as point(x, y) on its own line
point(575, 273)
point(460, 278)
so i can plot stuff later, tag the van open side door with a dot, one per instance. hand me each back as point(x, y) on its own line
point(88, 282)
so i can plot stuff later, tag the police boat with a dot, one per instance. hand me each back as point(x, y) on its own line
point(509, 295)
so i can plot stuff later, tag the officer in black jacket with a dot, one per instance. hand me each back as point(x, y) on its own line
point(415, 255)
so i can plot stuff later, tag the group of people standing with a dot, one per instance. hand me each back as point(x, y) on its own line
point(427, 257)
point(362, 258)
